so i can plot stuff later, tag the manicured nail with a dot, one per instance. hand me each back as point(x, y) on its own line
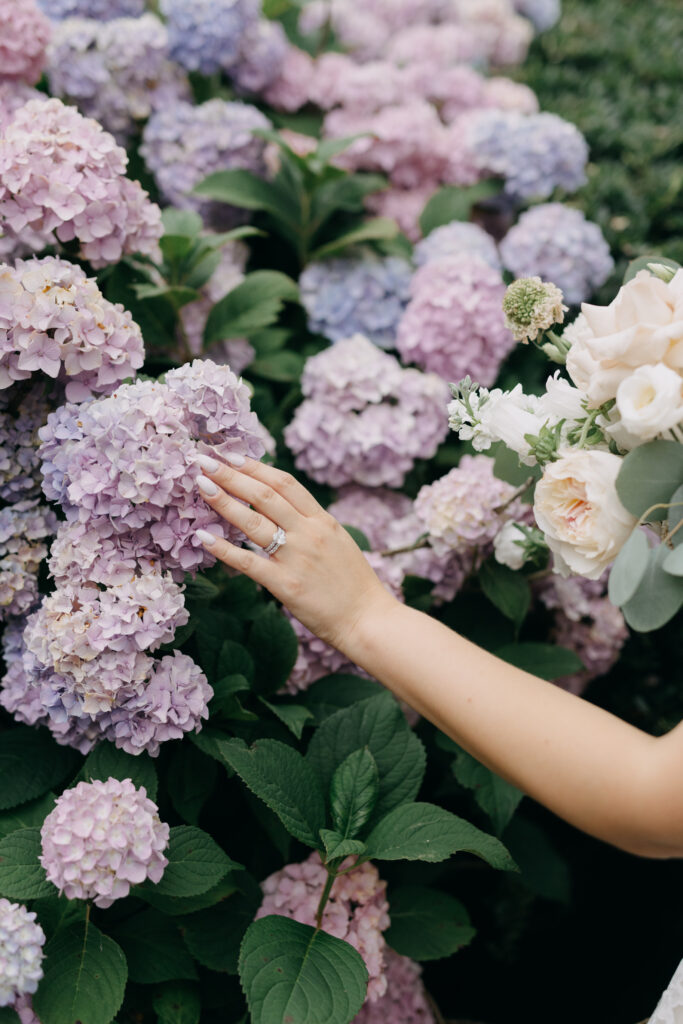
point(235, 459)
point(208, 464)
point(207, 486)
point(208, 539)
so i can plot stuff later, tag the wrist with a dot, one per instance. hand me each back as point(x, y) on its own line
point(374, 623)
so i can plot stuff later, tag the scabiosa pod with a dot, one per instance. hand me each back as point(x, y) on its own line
point(24, 35)
point(532, 307)
point(21, 952)
point(101, 838)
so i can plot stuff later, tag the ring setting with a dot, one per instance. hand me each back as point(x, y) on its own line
point(279, 539)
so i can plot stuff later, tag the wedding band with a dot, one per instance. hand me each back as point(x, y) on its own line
point(279, 538)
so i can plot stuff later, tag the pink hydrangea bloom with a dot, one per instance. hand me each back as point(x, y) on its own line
point(289, 90)
point(404, 205)
point(405, 1000)
point(371, 510)
point(506, 94)
point(459, 238)
point(14, 95)
point(21, 952)
point(101, 838)
point(21, 416)
point(341, 82)
point(61, 172)
point(24, 530)
point(24, 35)
point(357, 910)
point(25, 1011)
point(263, 50)
point(441, 46)
point(454, 324)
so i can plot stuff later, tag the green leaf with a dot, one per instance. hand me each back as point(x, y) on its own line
point(673, 562)
point(629, 568)
point(379, 725)
point(641, 263)
point(426, 924)
point(254, 304)
point(22, 876)
point(31, 763)
point(337, 847)
point(292, 973)
point(422, 831)
point(56, 912)
point(177, 906)
point(191, 778)
point(455, 203)
point(200, 589)
point(284, 780)
point(496, 797)
point(294, 716)
point(234, 659)
point(173, 248)
point(30, 815)
point(329, 148)
point(214, 936)
point(226, 704)
point(181, 222)
point(176, 295)
point(509, 591)
point(282, 366)
point(649, 475)
point(359, 537)
point(676, 516)
point(195, 864)
point(248, 191)
point(353, 792)
point(542, 868)
point(274, 646)
point(154, 949)
point(658, 597)
point(8, 1015)
point(346, 192)
point(85, 978)
point(331, 694)
point(178, 1004)
point(108, 762)
point(369, 231)
point(546, 661)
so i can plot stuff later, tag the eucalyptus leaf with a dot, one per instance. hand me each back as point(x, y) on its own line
point(629, 568)
point(649, 476)
point(659, 595)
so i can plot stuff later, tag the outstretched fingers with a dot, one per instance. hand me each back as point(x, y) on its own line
point(264, 571)
point(283, 483)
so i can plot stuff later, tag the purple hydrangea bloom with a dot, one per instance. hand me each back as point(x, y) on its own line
point(535, 154)
point(543, 14)
point(206, 35)
point(262, 55)
point(100, 10)
point(405, 1000)
point(24, 35)
point(101, 838)
point(557, 244)
point(289, 90)
point(21, 416)
point(355, 295)
point(24, 1010)
point(21, 952)
point(14, 95)
point(371, 510)
point(116, 72)
point(456, 239)
point(24, 529)
point(61, 172)
point(55, 320)
point(93, 551)
point(365, 419)
point(404, 205)
point(454, 324)
point(182, 144)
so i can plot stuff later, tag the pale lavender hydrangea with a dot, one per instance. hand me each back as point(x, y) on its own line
point(263, 50)
point(556, 243)
point(371, 510)
point(21, 952)
point(24, 35)
point(506, 94)
point(454, 324)
point(22, 413)
point(25, 1011)
point(456, 239)
point(101, 838)
point(100, 10)
point(405, 1000)
point(534, 153)
point(20, 686)
point(207, 35)
point(55, 320)
point(365, 419)
point(543, 14)
point(356, 295)
point(24, 530)
point(339, 81)
point(440, 45)
point(116, 72)
point(404, 205)
point(14, 95)
point(357, 910)
point(93, 551)
point(61, 172)
point(182, 144)
point(290, 89)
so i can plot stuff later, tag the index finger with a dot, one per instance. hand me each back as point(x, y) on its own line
point(284, 483)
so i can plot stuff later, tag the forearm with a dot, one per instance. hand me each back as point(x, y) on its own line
point(586, 765)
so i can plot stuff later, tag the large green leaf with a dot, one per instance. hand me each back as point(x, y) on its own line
point(373, 230)
point(30, 815)
point(195, 864)
point(498, 798)
point(649, 475)
point(509, 591)
point(191, 778)
point(154, 949)
point(547, 661)
point(292, 973)
point(353, 792)
point(629, 568)
point(109, 762)
point(331, 694)
point(422, 831)
point(284, 780)
point(214, 935)
point(85, 978)
point(659, 595)
point(426, 924)
point(675, 517)
point(248, 191)
point(453, 202)
point(274, 648)
point(178, 1003)
point(254, 304)
point(22, 876)
point(31, 763)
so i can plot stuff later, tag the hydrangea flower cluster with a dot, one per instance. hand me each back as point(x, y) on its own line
point(14, 95)
point(21, 952)
point(404, 205)
point(22, 413)
point(61, 172)
point(459, 238)
point(55, 320)
point(454, 323)
point(101, 838)
point(557, 243)
point(355, 295)
point(262, 56)
point(357, 910)
point(24, 35)
point(99, 10)
point(207, 35)
point(371, 510)
point(536, 153)
point(405, 1000)
point(289, 89)
point(543, 14)
point(116, 72)
point(24, 529)
point(182, 144)
point(365, 419)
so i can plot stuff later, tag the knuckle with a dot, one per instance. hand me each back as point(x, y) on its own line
point(243, 559)
point(252, 522)
point(293, 587)
point(285, 480)
point(266, 495)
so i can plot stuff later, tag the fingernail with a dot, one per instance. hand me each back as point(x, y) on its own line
point(206, 538)
point(207, 486)
point(208, 464)
point(235, 459)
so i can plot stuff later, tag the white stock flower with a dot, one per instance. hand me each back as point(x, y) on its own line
point(508, 546)
point(562, 401)
point(577, 507)
point(650, 401)
point(510, 415)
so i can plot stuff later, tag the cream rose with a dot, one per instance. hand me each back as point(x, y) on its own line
point(650, 401)
point(577, 508)
point(642, 326)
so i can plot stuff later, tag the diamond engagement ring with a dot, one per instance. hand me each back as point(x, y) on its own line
point(279, 538)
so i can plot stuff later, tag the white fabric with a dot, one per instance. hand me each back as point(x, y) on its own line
point(670, 1007)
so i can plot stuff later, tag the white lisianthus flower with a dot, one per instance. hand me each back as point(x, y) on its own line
point(650, 401)
point(577, 507)
point(562, 401)
point(508, 546)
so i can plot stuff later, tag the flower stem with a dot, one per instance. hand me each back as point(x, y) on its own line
point(331, 875)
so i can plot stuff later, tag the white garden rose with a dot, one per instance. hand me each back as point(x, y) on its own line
point(577, 508)
point(643, 326)
point(508, 546)
point(650, 401)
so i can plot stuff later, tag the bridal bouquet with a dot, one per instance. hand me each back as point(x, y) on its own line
point(606, 445)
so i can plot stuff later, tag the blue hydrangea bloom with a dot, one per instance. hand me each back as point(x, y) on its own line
point(456, 239)
point(101, 10)
point(356, 295)
point(543, 14)
point(206, 35)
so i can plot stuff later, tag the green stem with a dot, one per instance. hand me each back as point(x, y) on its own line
point(331, 875)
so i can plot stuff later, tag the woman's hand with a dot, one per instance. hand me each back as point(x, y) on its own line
point(320, 573)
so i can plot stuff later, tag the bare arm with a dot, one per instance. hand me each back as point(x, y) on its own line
point(599, 773)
